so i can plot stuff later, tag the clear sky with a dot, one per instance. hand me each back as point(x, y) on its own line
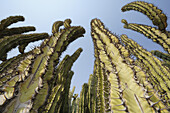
point(43, 13)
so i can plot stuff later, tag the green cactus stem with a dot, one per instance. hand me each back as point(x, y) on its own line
point(125, 92)
point(150, 32)
point(158, 18)
point(11, 38)
point(159, 76)
point(92, 91)
point(83, 103)
point(164, 56)
point(10, 20)
point(9, 42)
point(13, 31)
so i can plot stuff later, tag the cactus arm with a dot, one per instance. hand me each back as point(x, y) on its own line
point(11, 63)
point(14, 31)
point(158, 18)
point(10, 20)
point(67, 23)
point(9, 42)
point(150, 32)
point(164, 56)
point(56, 25)
point(10, 38)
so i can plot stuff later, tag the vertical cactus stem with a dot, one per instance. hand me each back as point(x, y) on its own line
point(56, 26)
point(10, 20)
point(159, 73)
point(64, 78)
point(119, 75)
point(158, 18)
point(83, 104)
point(74, 104)
point(67, 23)
point(92, 92)
point(70, 97)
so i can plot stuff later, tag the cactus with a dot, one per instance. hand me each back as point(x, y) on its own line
point(11, 38)
point(126, 77)
point(165, 57)
point(83, 103)
point(128, 84)
point(31, 82)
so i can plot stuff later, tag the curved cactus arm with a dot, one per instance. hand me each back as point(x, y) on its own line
point(56, 26)
point(9, 42)
point(10, 20)
point(150, 32)
point(124, 89)
point(158, 18)
point(157, 72)
point(67, 23)
point(14, 31)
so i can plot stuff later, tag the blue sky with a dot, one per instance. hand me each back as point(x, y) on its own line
point(43, 13)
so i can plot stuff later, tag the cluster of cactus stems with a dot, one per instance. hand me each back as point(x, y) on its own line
point(35, 81)
point(126, 77)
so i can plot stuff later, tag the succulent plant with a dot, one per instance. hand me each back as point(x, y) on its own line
point(35, 81)
point(126, 77)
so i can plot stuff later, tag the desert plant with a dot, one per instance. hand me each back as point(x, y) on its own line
point(34, 81)
point(126, 77)
point(130, 78)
